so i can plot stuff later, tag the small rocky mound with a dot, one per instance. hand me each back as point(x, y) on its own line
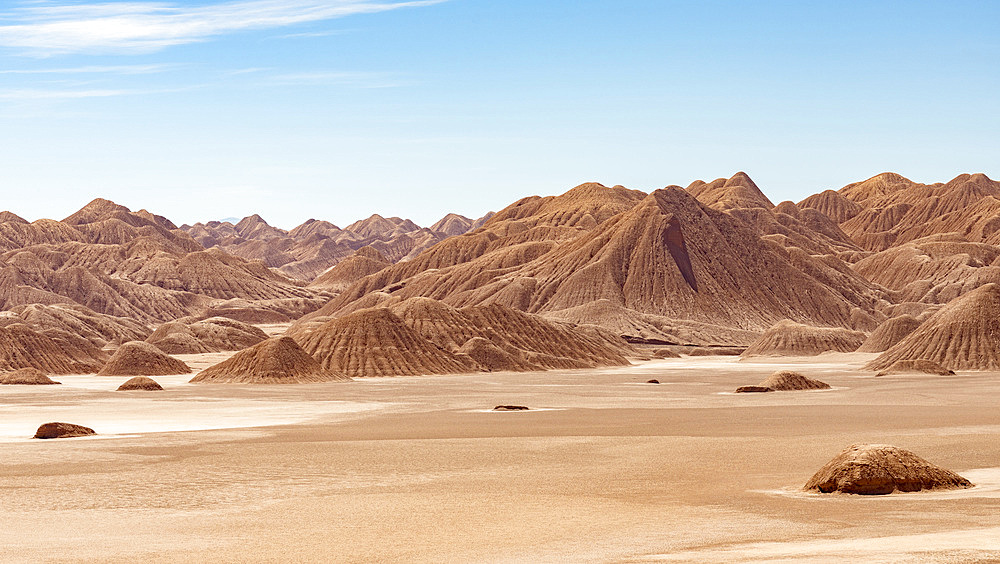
point(653, 381)
point(869, 469)
point(753, 389)
point(510, 408)
point(890, 332)
point(916, 366)
point(140, 383)
point(788, 381)
point(62, 431)
point(788, 338)
point(278, 360)
point(26, 376)
point(137, 358)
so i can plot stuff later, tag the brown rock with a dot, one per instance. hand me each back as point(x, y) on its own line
point(753, 389)
point(787, 381)
point(140, 383)
point(872, 469)
point(62, 430)
point(510, 408)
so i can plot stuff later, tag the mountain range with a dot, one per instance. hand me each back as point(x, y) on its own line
point(713, 263)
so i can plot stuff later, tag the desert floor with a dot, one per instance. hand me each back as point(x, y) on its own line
point(603, 468)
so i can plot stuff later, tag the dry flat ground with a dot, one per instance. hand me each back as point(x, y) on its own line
point(603, 468)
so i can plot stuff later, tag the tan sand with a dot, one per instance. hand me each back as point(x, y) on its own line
point(602, 468)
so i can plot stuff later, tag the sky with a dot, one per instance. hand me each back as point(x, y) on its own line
point(338, 109)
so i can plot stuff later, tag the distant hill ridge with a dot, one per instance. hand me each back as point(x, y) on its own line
point(309, 249)
point(716, 263)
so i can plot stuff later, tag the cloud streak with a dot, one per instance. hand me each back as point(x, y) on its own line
point(36, 94)
point(143, 27)
point(355, 79)
point(112, 69)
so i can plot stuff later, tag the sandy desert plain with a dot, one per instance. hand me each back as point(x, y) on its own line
point(328, 393)
point(607, 468)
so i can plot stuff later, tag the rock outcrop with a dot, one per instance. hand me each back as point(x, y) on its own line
point(872, 469)
point(789, 381)
point(62, 431)
point(140, 383)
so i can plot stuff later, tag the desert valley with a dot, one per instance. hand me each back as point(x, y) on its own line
point(690, 374)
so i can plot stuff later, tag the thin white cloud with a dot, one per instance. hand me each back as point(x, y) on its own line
point(36, 94)
point(356, 79)
point(249, 70)
point(309, 34)
point(49, 28)
point(108, 69)
point(50, 94)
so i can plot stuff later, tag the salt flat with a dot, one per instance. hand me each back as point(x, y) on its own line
point(604, 468)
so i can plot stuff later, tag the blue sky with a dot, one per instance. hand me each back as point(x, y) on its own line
point(294, 109)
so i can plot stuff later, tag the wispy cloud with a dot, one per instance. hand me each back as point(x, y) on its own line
point(55, 94)
point(36, 94)
point(96, 69)
point(249, 70)
point(62, 27)
point(308, 34)
point(346, 78)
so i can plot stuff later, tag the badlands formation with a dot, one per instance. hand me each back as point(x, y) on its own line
point(279, 360)
point(876, 305)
